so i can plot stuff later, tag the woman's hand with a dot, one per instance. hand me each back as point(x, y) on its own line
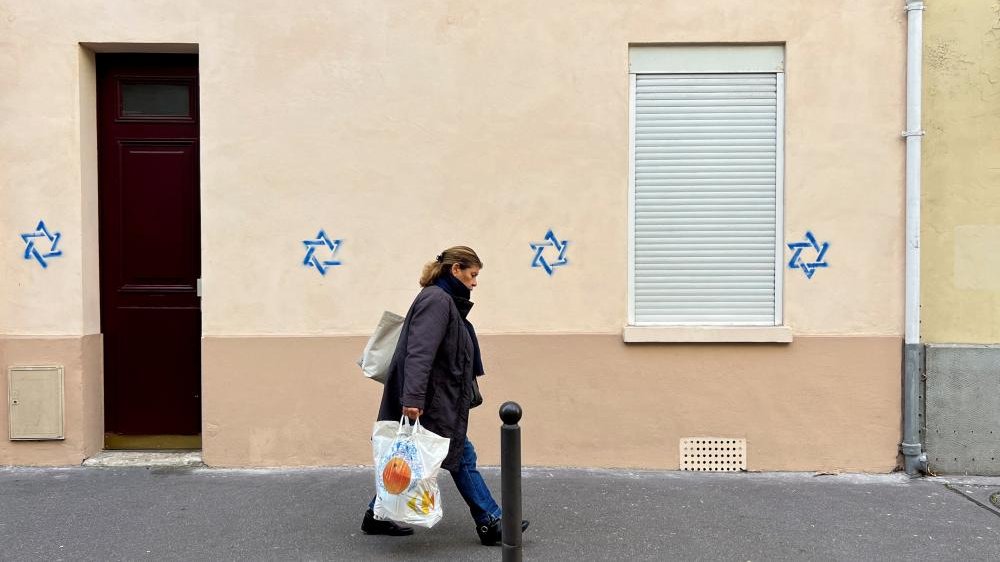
point(412, 413)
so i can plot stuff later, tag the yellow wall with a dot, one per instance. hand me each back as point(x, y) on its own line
point(960, 235)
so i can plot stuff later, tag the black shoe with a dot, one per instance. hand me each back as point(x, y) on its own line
point(490, 535)
point(372, 526)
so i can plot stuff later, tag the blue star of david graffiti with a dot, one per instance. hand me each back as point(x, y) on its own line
point(808, 267)
point(31, 249)
point(311, 260)
point(551, 241)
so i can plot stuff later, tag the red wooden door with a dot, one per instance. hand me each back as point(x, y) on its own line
point(150, 243)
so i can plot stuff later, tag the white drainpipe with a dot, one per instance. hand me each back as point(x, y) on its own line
point(915, 461)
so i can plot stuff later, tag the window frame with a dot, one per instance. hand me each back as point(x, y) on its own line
point(738, 66)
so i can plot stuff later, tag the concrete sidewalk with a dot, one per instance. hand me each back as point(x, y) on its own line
point(214, 514)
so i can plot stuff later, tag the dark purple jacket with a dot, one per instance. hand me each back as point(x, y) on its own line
point(432, 370)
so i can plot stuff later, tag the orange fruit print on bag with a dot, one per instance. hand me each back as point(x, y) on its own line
point(396, 476)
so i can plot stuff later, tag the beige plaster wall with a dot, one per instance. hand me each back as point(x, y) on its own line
point(83, 398)
point(404, 127)
point(961, 186)
point(589, 400)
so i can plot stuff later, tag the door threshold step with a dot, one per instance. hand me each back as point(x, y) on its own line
point(116, 459)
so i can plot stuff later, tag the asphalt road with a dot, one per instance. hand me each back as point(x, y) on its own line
point(212, 514)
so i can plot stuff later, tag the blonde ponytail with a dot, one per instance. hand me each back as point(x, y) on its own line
point(464, 256)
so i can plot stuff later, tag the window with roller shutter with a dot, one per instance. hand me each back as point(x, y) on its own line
point(706, 186)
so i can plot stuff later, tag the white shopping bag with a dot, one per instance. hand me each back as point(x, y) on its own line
point(377, 356)
point(407, 460)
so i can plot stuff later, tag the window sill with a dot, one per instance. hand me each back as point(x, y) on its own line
point(707, 334)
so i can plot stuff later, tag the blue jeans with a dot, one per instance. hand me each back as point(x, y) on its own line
point(473, 488)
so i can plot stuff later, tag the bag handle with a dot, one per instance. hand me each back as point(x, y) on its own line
point(406, 427)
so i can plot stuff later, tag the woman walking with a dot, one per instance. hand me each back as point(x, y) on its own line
point(433, 376)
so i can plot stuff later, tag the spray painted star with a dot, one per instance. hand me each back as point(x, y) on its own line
point(809, 268)
point(311, 260)
point(551, 241)
point(31, 250)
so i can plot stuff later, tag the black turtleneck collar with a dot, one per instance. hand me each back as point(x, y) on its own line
point(453, 286)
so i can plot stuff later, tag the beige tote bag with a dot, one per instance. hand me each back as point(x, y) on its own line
point(381, 346)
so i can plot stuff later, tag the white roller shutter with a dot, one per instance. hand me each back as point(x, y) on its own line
point(707, 154)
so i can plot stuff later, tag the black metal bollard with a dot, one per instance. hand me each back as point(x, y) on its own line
point(510, 481)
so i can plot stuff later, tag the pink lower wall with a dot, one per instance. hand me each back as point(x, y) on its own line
point(819, 403)
point(81, 358)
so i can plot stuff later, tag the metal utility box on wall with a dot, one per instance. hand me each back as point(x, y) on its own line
point(35, 396)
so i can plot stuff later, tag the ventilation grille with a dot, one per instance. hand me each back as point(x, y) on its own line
point(713, 454)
